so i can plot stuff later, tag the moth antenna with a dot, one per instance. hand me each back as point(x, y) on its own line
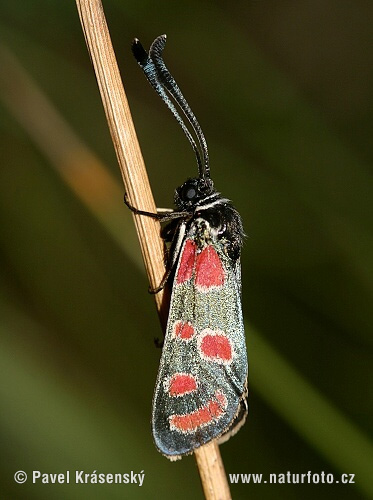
point(167, 80)
point(147, 65)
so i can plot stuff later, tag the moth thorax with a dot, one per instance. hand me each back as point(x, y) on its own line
point(203, 233)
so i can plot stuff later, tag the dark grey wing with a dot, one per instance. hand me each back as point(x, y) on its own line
point(202, 375)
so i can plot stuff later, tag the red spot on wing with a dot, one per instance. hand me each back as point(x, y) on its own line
point(181, 383)
point(209, 269)
point(183, 330)
point(205, 415)
point(187, 262)
point(215, 346)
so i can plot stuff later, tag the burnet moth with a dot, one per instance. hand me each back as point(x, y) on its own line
point(201, 388)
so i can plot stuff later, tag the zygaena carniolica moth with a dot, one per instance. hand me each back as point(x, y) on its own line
point(201, 388)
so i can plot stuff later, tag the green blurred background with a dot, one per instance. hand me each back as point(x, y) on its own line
point(283, 91)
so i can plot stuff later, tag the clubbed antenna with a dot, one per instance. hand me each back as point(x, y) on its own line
point(167, 80)
point(160, 79)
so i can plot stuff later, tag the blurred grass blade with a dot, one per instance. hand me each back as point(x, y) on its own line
point(310, 413)
point(82, 171)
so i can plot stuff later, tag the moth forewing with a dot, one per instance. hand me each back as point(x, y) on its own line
point(203, 368)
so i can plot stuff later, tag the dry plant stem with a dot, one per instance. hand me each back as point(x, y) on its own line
point(78, 166)
point(137, 187)
point(125, 142)
point(212, 473)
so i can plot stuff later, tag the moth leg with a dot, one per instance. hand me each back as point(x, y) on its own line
point(162, 284)
point(142, 212)
point(163, 215)
point(176, 242)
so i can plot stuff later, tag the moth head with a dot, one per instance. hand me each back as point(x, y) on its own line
point(189, 194)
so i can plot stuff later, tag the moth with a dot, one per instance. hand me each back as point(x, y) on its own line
point(201, 388)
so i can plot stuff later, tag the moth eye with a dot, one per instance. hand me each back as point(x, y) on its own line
point(190, 194)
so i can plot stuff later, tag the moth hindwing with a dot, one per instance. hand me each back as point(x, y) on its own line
point(201, 387)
